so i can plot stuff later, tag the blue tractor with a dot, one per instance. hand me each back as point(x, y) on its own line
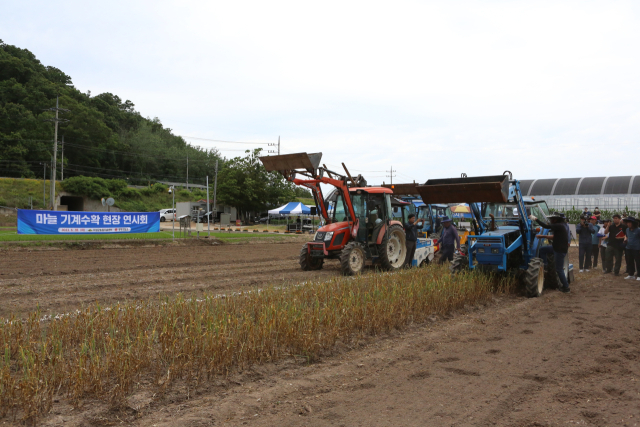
point(504, 239)
point(429, 214)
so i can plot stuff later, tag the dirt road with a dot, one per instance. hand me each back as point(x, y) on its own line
point(62, 280)
point(553, 361)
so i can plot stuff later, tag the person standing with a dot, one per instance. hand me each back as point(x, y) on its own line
point(596, 213)
point(595, 242)
point(586, 212)
point(449, 240)
point(603, 234)
point(585, 232)
point(560, 245)
point(632, 250)
point(615, 245)
point(411, 232)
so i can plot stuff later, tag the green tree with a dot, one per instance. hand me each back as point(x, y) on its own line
point(245, 184)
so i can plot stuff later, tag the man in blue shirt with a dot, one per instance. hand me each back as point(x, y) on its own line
point(449, 240)
point(585, 232)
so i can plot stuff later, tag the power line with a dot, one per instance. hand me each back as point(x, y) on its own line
point(125, 153)
point(153, 177)
point(230, 142)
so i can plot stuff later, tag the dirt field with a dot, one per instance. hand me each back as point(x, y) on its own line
point(62, 280)
point(557, 360)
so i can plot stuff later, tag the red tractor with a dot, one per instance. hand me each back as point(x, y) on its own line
point(359, 224)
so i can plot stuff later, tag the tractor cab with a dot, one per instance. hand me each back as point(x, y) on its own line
point(431, 216)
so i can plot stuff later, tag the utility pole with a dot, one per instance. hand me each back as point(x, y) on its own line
point(215, 189)
point(274, 145)
point(44, 187)
point(62, 161)
point(210, 213)
point(55, 121)
point(391, 174)
point(188, 172)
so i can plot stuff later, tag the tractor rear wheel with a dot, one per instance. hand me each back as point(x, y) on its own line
point(307, 262)
point(352, 259)
point(393, 248)
point(534, 278)
point(459, 263)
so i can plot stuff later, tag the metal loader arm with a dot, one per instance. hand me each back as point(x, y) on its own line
point(307, 165)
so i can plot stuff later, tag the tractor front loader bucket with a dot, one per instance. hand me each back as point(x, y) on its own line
point(466, 190)
point(291, 162)
point(403, 189)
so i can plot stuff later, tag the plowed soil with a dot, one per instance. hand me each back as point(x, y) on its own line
point(557, 360)
point(63, 280)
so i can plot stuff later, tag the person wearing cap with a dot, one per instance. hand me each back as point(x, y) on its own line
point(449, 240)
point(595, 242)
point(615, 245)
point(586, 212)
point(596, 213)
point(559, 242)
point(585, 232)
point(603, 234)
point(632, 250)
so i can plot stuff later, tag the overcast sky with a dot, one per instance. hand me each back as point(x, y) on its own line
point(542, 88)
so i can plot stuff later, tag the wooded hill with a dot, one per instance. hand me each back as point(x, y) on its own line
point(106, 137)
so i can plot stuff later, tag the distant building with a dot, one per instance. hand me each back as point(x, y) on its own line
point(604, 192)
point(191, 208)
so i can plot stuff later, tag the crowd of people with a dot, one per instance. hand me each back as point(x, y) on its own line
point(604, 239)
point(609, 240)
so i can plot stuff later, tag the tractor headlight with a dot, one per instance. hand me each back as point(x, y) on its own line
point(481, 250)
point(495, 251)
point(328, 236)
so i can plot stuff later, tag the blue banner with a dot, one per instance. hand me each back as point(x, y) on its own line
point(53, 222)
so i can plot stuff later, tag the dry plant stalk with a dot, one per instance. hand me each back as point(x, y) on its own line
point(104, 351)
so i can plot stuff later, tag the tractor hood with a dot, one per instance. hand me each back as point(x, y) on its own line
point(334, 227)
point(503, 230)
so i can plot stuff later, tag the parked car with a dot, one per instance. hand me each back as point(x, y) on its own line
point(167, 215)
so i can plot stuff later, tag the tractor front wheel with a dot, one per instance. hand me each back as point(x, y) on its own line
point(307, 262)
point(534, 278)
point(393, 248)
point(352, 259)
point(459, 263)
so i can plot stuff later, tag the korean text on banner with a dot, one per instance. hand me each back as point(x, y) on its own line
point(52, 222)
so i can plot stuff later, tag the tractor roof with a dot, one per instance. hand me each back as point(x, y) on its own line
point(371, 190)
